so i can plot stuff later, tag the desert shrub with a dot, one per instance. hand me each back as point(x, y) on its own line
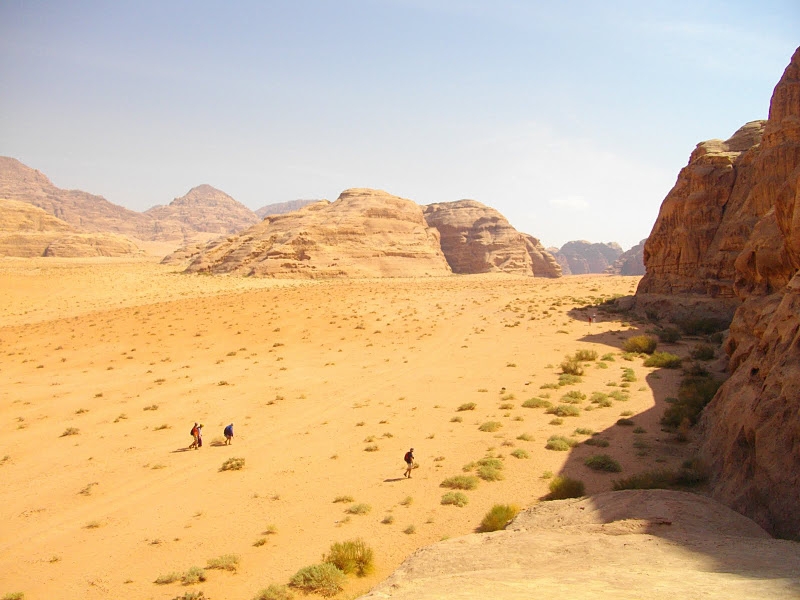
point(568, 379)
point(640, 344)
point(489, 473)
point(226, 562)
point(560, 443)
point(603, 462)
point(193, 575)
point(703, 325)
point(628, 375)
point(565, 487)
point(597, 442)
point(649, 480)
point(692, 472)
point(669, 334)
point(573, 397)
point(556, 421)
point(274, 592)
point(387, 520)
point(703, 352)
point(608, 357)
point(571, 367)
point(70, 431)
point(455, 498)
point(564, 410)
point(167, 578)
point(194, 595)
point(460, 482)
point(619, 395)
point(506, 406)
point(584, 355)
point(324, 579)
point(372, 448)
point(498, 517)
point(490, 426)
point(358, 509)
point(537, 403)
point(467, 406)
point(584, 431)
point(344, 499)
point(525, 437)
point(601, 399)
point(410, 530)
point(625, 422)
point(407, 501)
point(663, 360)
point(520, 453)
point(456, 420)
point(232, 464)
point(352, 556)
point(693, 395)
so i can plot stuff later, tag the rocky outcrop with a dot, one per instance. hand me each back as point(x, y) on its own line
point(630, 262)
point(206, 209)
point(28, 231)
point(364, 233)
point(613, 545)
point(478, 239)
point(280, 208)
point(582, 257)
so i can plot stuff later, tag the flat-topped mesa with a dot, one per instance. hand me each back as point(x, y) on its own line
point(364, 233)
point(478, 239)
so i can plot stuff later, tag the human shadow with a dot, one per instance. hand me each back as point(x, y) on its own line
point(393, 480)
point(218, 444)
point(182, 450)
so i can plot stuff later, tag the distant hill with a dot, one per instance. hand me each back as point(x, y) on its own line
point(206, 209)
point(630, 262)
point(281, 208)
point(581, 257)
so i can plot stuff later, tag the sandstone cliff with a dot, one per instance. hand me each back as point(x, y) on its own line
point(581, 257)
point(364, 233)
point(630, 262)
point(206, 209)
point(728, 236)
point(478, 239)
point(647, 543)
point(27, 231)
point(280, 208)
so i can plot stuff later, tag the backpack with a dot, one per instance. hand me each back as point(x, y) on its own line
point(408, 457)
point(193, 432)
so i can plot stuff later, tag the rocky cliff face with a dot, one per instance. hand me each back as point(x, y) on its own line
point(28, 231)
point(581, 257)
point(478, 239)
point(280, 208)
point(206, 209)
point(630, 262)
point(728, 234)
point(365, 233)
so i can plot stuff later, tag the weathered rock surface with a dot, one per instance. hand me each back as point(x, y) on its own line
point(630, 544)
point(27, 231)
point(581, 257)
point(630, 262)
point(364, 233)
point(206, 209)
point(478, 239)
point(280, 208)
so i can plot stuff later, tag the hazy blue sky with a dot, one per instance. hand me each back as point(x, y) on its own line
point(570, 118)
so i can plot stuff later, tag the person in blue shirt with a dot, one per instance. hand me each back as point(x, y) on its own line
point(228, 432)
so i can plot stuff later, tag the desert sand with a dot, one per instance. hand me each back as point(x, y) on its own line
point(107, 363)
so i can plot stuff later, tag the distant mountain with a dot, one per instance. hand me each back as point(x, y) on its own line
point(206, 209)
point(281, 208)
point(581, 257)
point(630, 262)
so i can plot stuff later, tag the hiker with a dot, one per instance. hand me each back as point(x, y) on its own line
point(194, 433)
point(409, 458)
point(228, 433)
point(199, 436)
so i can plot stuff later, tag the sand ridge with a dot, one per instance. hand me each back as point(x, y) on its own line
point(312, 374)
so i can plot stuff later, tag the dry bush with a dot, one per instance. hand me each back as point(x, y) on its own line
point(460, 482)
point(232, 464)
point(562, 488)
point(226, 562)
point(498, 517)
point(640, 344)
point(455, 498)
point(324, 579)
point(352, 556)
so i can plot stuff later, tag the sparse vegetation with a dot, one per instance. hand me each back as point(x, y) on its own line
point(536, 402)
point(70, 431)
point(562, 488)
point(572, 367)
point(455, 498)
point(625, 422)
point(352, 556)
point(324, 579)
point(359, 509)
point(226, 562)
point(663, 360)
point(703, 352)
point(693, 395)
point(640, 344)
point(344, 499)
point(274, 592)
point(460, 482)
point(167, 578)
point(597, 442)
point(498, 517)
point(193, 575)
point(573, 397)
point(669, 334)
point(410, 530)
point(584, 355)
point(603, 462)
point(520, 453)
point(525, 437)
point(232, 464)
point(490, 426)
point(466, 406)
point(564, 410)
point(560, 443)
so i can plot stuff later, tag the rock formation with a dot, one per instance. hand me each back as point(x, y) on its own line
point(582, 257)
point(206, 209)
point(630, 262)
point(364, 233)
point(280, 208)
point(28, 231)
point(728, 234)
point(478, 239)
point(654, 543)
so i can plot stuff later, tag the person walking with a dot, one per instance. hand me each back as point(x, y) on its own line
point(194, 433)
point(228, 433)
point(200, 436)
point(409, 458)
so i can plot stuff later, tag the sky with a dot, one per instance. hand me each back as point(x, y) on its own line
point(571, 118)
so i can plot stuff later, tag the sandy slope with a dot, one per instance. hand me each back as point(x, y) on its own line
point(132, 353)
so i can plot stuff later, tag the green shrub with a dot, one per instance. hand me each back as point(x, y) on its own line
point(649, 480)
point(498, 517)
point(608, 357)
point(600, 399)
point(226, 562)
point(537, 403)
point(573, 397)
point(358, 509)
point(490, 426)
point(572, 367)
point(560, 443)
point(628, 374)
point(663, 360)
point(460, 482)
point(274, 592)
point(568, 379)
point(562, 488)
point(352, 556)
point(324, 579)
point(703, 352)
point(583, 431)
point(619, 395)
point(693, 395)
point(584, 355)
point(466, 406)
point(564, 410)
point(669, 334)
point(598, 442)
point(525, 437)
point(344, 499)
point(489, 473)
point(641, 344)
point(455, 498)
point(168, 578)
point(520, 453)
point(603, 462)
point(193, 575)
point(232, 464)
